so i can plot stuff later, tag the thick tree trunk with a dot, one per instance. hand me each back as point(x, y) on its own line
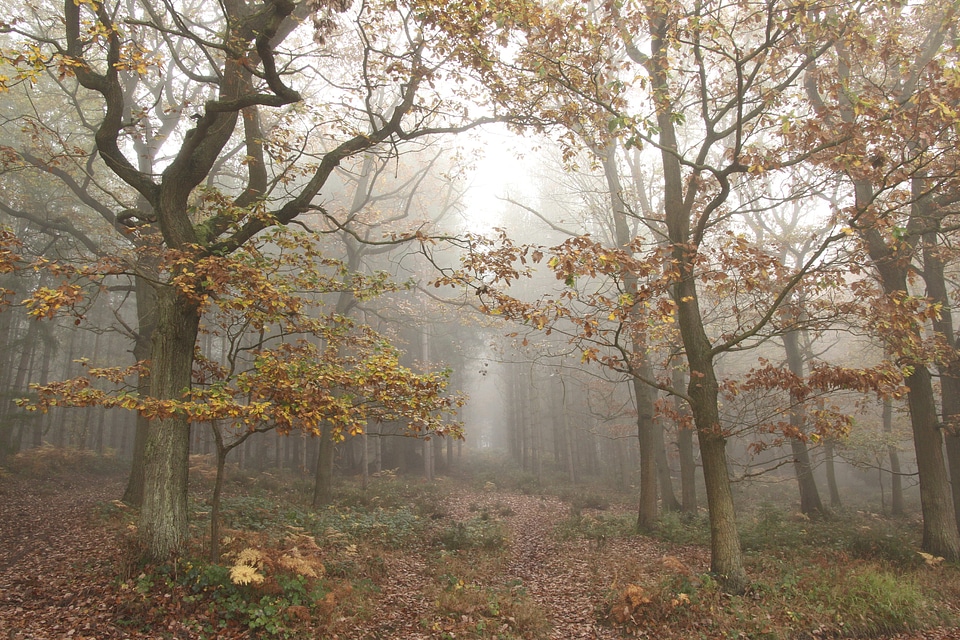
point(163, 516)
point(679, 200)
point(146, 323)
point(940, 535)
point(726, 559)
point(933, 274)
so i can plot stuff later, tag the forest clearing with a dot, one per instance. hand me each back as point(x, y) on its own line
point(463, 557)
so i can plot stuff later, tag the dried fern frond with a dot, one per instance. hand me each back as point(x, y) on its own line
point(245, 574)
point(304, 566)
point(251, 557)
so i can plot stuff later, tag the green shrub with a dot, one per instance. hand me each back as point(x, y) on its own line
point(389, 526)
point(274, 608)
point(683, 528)
point(885, 547)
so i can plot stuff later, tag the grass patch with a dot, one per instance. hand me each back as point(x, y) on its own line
point(476, 533)
point(850, 575)
point(683, 528)
point(598, 528)
point(505, 612)
point(860, 601)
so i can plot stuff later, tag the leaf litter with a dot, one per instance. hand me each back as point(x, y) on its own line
point(59, 574)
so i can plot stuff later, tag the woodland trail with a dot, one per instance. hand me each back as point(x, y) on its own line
point(559, 575)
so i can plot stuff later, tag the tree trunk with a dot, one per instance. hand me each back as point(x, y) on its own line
point(163, 516)
point(940, 534)
point(933, 275)
point(810, 503)
point(323, 480)
point(222, 452)
point(688, 462)
point(364, 462)
point(146, 323)
point(830, 464)
point(647, 508)
point(644, 395)
point(668, 499)
point(449, 443)
point(896, 481)
point(49, 345)
point(952, 438)
point(703, 390)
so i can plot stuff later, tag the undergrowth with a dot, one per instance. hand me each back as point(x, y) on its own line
point(49, 461)
point(852, 575)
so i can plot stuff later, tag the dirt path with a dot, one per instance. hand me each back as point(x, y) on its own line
point(557, 574)
point(561, 576)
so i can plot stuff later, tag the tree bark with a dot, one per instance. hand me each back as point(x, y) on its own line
point(940, 534)
point(949, 367)
point(679, 200)
point(644, 395)
point(163, 516)
point(647, 509)
point(668, 499)
point(222, 452)
point(9, 431)
point(940, 531)
point(146, 323)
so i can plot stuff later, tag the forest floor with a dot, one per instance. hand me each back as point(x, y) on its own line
point(476, 563)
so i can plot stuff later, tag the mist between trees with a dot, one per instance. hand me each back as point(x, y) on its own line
point(726, 255)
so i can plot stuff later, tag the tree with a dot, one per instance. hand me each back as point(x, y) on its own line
point(235, 71)
point(703, 96)
point(900, 160)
